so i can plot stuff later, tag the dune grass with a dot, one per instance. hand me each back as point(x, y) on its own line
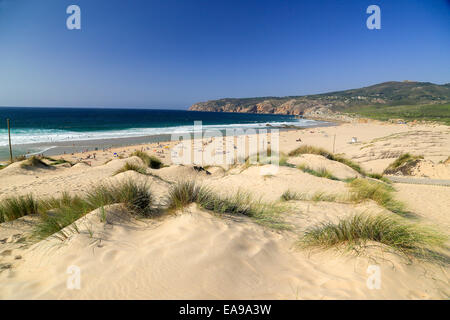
point(131, 166)
point(330, 156)
point(149, 160)
point(54, 162)
point(380, 177)
point(356, 231)
point(57, 213)
point(402, 161)
point(318, 196)
point(33, 161)
point(289, 195)
point(187, 192)
point(259, 159)
point(306, 149)
point(16, 207)
point(382, 194)
point(321, 173)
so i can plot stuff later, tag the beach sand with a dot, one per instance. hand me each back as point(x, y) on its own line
point(193, 254)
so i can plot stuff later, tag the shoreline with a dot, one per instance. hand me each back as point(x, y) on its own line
point(64, 148)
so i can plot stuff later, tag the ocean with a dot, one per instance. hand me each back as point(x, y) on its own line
point(37, 130)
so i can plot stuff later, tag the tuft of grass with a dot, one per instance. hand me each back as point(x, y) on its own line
point(131, 166)
point(33, 161)
point(321, 173)
point(362, 189)
point(58, 213)
point(16, 207)
point(289, 195)
point(155, 163)
point(184, 193)
point(323, 196)
point(403, 164)
point(187, 192)
point(357, 230)
point(150, 161)
point(283, 161)
point(380, 177)
point(259, 159)
point(55, 162)
point(306, 149)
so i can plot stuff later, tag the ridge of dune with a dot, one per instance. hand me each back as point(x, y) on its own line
point(194, 255)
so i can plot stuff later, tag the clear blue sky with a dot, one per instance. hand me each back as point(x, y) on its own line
point(170, 54)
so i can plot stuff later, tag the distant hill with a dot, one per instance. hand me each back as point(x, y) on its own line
point(386, 94)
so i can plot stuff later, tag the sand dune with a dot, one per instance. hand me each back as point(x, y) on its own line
point(196, 254)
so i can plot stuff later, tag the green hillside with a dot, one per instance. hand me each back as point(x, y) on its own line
point(407, 99)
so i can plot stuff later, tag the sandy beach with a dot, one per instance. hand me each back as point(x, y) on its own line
point(194, 253)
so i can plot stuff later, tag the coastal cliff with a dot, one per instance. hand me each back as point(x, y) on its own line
point(331, 104)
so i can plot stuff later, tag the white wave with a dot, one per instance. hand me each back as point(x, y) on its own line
point(28, 136)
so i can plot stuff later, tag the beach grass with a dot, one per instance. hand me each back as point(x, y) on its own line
point(381, 193)
point(19, 206)
point(149, 160)
point(184, 193)
point(58, 213)
point(131, 166)
point(54, 162)
point(290, 195)
point(318, 196)
point(260, 159)
point(379, 176)
point(241, 203)
point(404, 161)
point(355, 231)
point(33, 162)
point(321, 173)
point(307, 149)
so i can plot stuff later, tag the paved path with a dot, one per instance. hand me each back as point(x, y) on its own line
point(435, 182)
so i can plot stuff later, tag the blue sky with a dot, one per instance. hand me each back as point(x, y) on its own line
point(170, 54)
